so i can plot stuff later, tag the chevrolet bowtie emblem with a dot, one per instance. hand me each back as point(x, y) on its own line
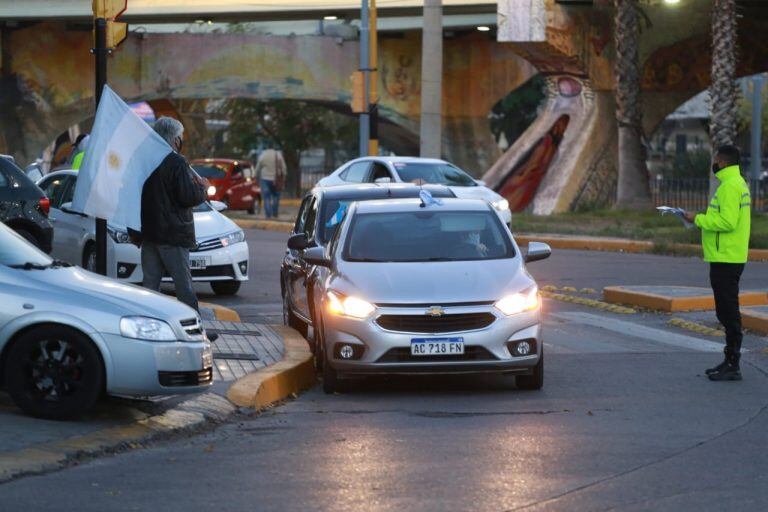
point(435, 311)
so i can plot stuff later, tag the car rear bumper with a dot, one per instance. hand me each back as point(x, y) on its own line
point(146, 368)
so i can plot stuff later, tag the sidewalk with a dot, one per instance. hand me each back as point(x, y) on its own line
point(243, 350)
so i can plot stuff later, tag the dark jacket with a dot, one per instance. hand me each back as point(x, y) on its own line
point(169, 195)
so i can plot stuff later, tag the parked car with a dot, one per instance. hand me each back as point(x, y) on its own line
point(67, 336)
point(23, 206)
point(412, 288)
point(230, 181)
point(320, 213)
point(417, 170)
point(220, 258)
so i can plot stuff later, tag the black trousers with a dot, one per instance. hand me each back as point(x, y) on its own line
point(724, 278)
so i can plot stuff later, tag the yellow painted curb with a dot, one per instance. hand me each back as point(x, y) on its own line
point(296, 372)
point(620, 295)
point(613, 308)
point(222, 313)
point(269, 225)
point(695, 327)
point(754, 321)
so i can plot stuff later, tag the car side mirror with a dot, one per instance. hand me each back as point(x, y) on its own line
point(218, 206)
point(316, 256)
point(298, 242)
point(537, 251)
point(67, 208)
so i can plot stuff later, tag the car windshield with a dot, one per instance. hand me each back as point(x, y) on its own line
point(435, 173)
point(210, 171)
point(17, 252)
point(427, 235)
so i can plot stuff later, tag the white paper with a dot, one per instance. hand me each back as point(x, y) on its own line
point(678, 212)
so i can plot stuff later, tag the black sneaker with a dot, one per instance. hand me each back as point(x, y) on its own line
point(728, 372)
point(716, 369)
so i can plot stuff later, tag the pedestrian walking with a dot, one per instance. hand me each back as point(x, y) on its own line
point(725, 240)
point(167, 221)
point(272, 172)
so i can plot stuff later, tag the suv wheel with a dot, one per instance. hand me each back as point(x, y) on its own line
point(536, 379)
point(54, 372)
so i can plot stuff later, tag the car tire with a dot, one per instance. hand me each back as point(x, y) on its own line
point(331, 382)
point(225, 287)
point(54, 372)
point(536, 379)
point(252, 210)
point(89, 257)
point(292, 320)
point(29, 237)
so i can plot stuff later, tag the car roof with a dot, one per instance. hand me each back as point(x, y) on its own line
point(410, 205)
point(370, 191)
point(60, 172)
point(402, 159)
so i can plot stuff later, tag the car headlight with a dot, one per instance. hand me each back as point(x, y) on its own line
point(118, 235)
point(233, 238)
point(145, 328)
point(211, 190)
point(520, 302)
point(501, 205)
point(338, 304)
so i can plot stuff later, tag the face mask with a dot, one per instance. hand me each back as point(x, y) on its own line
point(715, 168)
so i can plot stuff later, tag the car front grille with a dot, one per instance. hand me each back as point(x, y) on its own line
point(208, 245)
point(179, 379)
point(435, 324)
point(403, 355)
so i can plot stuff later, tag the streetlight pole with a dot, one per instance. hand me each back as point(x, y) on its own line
point(365, 127)
point(100, 52)
point(431, 79)
point(757, 128)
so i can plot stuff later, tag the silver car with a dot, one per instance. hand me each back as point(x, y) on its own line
point(67, 336)
point(414, 286)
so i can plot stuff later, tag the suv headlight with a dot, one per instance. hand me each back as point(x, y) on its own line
point(520, 302)
point(145, 328)
point(118, 235)
point(338, 304)
point(233, 238)
point(501, 204)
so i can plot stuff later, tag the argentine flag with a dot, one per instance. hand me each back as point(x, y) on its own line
point(122, 153)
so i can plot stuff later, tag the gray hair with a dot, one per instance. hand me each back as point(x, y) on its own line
point(169, 129)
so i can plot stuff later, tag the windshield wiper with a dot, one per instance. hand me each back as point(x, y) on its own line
point(36, 266)
point(59, 263)
point(366, 260)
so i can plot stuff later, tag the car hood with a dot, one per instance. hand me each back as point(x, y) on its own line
point(432, 282)
point(75, 285)
point(478, 192)
point(212, 224)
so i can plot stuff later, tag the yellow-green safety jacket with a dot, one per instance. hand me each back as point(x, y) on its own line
point(78, 160)
point(725, 226)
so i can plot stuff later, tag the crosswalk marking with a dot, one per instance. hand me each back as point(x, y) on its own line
point(635, 330)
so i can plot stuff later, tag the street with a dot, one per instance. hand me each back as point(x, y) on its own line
point(624, 421)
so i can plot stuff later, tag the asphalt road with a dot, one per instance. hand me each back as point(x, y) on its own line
point(626, 421)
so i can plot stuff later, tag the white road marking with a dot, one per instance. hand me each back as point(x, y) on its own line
point(640, 331)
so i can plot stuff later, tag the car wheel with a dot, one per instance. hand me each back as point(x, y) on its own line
point(54, 372)
point(292, 320)
point(331, 381)
point(29, 237)
point(89, 258)
point(225, 287)
point(536, 379)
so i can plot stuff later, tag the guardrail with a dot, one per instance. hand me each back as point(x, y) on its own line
point(693, 193)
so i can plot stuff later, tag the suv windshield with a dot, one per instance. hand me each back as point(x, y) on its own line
point(15, 251)
point(438, 174)
point(427, 236)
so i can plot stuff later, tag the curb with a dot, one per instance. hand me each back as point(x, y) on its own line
point(670, 304)
point(295, 373)
point(189, 415)
point(270, 225)
point(221, 313)
point(755, 321)
point(695, 327)
point(592, 303)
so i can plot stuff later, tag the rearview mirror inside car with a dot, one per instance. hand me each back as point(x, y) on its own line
point(316, 256)
point(537, 251)
point(298, 242)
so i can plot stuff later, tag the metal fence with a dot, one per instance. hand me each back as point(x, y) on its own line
point(693, 193)
point(311, 175)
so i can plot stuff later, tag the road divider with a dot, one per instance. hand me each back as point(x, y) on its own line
point(755, 319)
point(695, 327)
point(211, 311)
point(675, 298)
point(592, 303)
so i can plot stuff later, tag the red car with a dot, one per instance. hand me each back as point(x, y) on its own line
point(232, 182)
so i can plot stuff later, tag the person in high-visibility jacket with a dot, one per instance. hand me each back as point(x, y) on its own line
point(725, 240)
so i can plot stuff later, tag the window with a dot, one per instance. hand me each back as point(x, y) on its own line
point(356, 173)
point(309, 225)
point(427, 235)
point(210, 171)
point(4, 182)
point(379, 171)
point(69, 191)
point(437, 174)
point(54, 189)
point(301, 218)
point(248, 171)
point(237, 172)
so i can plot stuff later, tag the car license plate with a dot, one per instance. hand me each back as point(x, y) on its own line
point(437, 346)
point(198, 263)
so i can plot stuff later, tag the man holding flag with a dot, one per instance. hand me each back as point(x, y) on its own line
point(133, 176)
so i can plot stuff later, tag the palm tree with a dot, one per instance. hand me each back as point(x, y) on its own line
point(633, 187)
point(723, 92)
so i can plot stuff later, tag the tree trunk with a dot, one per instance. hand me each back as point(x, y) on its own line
point(723, 92)
point(633, 187)
point(293, 174)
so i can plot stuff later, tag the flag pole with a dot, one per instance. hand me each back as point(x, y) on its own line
point(100, 52)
